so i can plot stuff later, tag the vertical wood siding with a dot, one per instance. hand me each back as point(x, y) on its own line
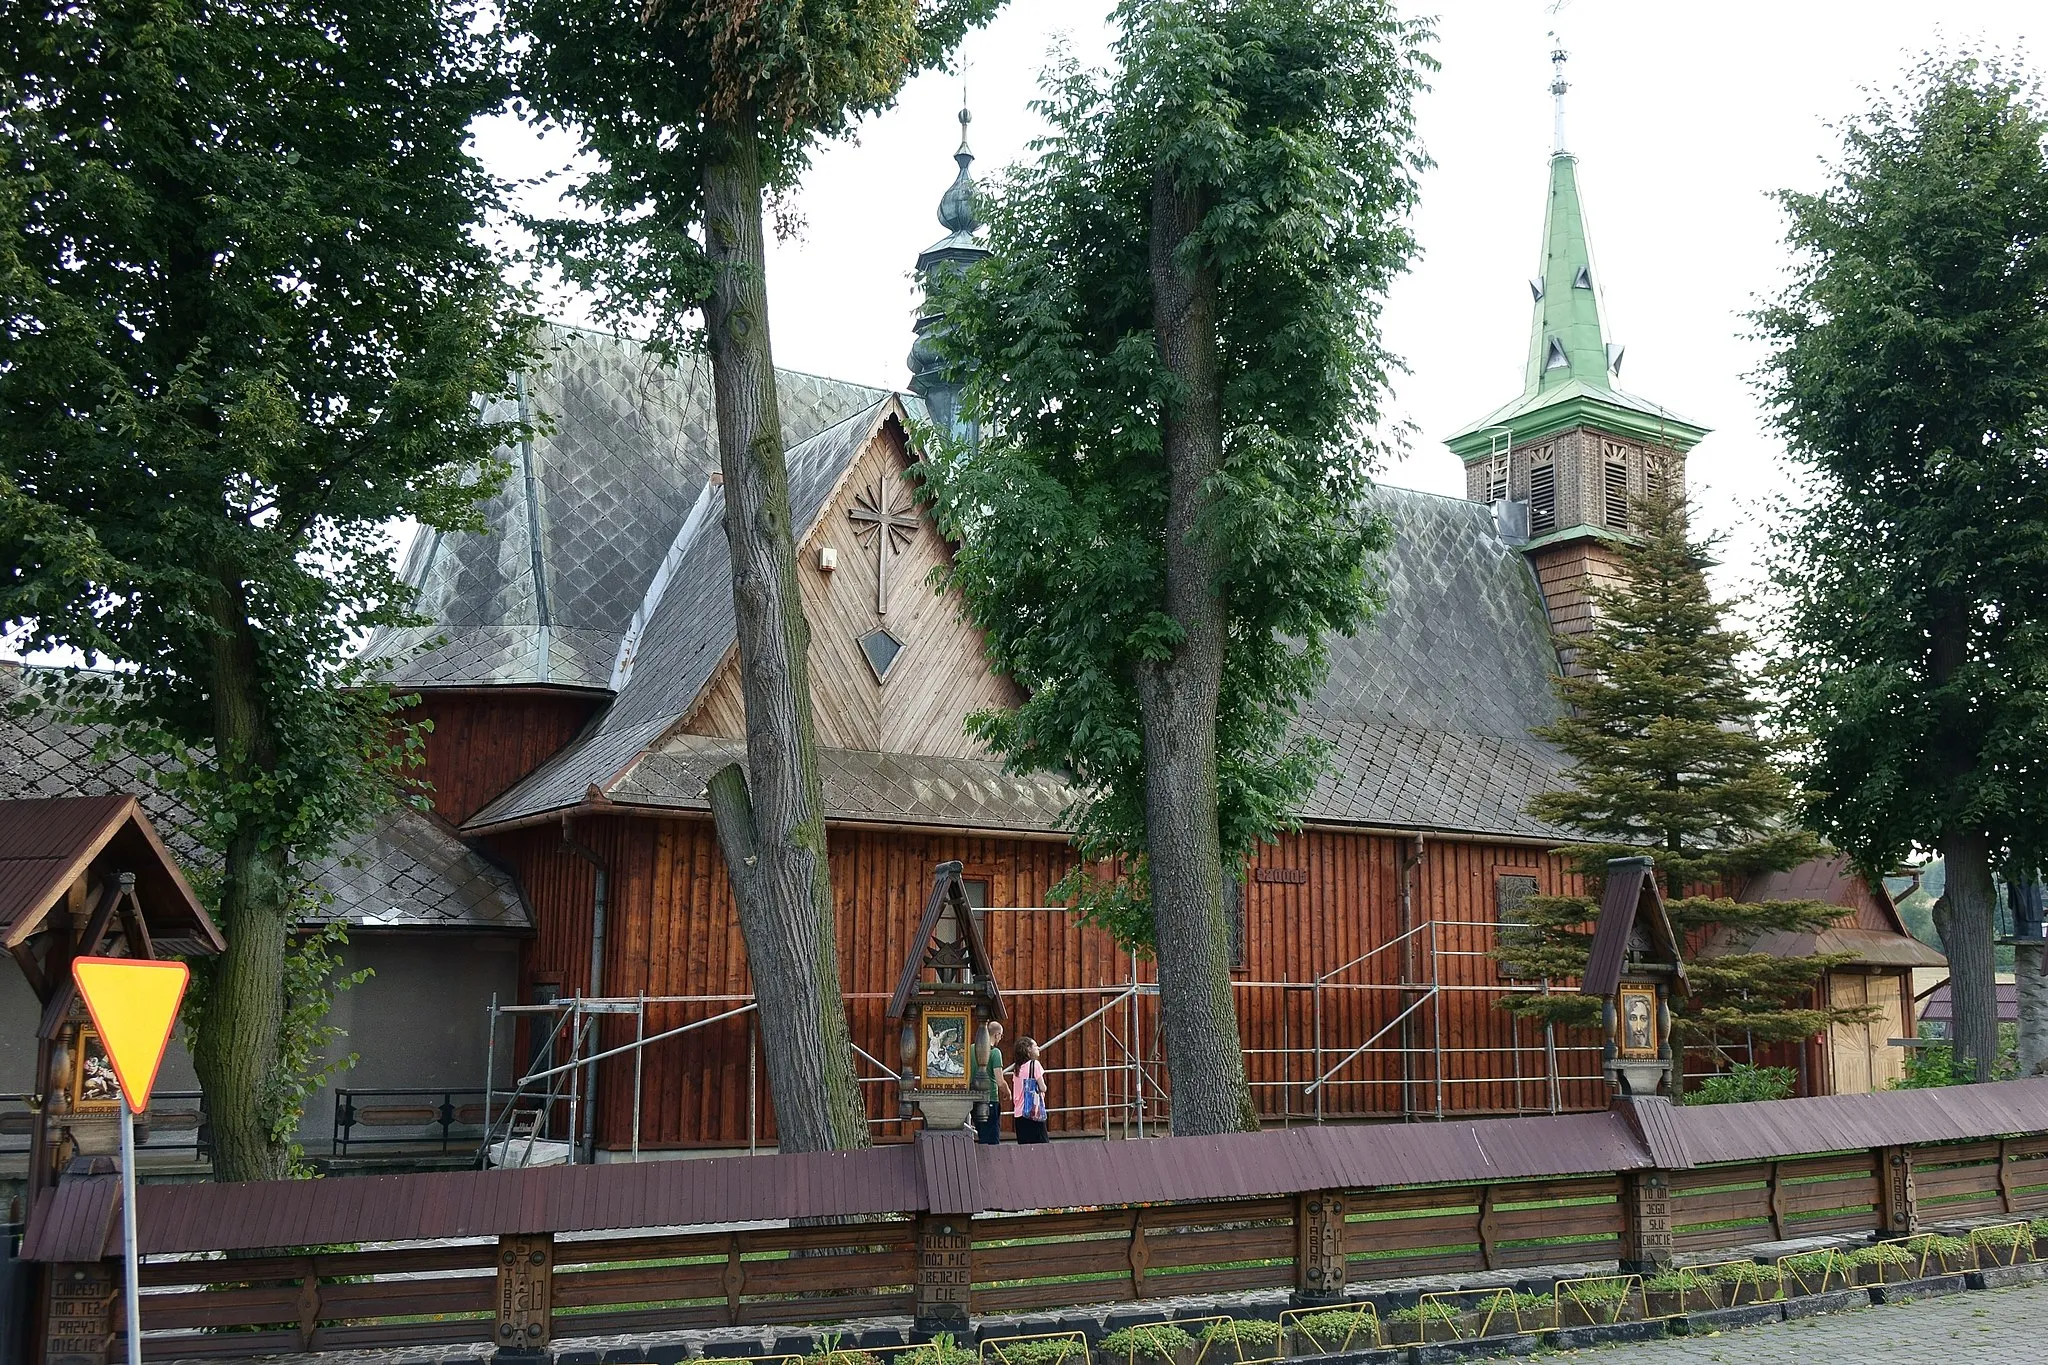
point(1311, 927)
point(481, 745)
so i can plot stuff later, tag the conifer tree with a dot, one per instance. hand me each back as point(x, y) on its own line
point(1661, 724)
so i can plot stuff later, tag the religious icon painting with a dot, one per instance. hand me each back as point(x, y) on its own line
point(94, 1088)
point(942, 1060)
point(1636, 1007)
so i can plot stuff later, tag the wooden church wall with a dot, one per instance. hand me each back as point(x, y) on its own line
point(483, 743)
point(1314, 903)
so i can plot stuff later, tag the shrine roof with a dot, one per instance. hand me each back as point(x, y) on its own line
point(579, 530)
point(408, 870)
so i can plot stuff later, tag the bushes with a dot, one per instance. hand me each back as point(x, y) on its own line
point(1156, 1344)
point(1743, 1083)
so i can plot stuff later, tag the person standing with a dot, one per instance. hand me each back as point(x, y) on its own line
point(1028, 1094)
point(988, 1075)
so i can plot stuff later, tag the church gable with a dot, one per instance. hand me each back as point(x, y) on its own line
point(894, 667)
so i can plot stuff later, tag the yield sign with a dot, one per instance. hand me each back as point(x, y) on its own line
point(133, 1003)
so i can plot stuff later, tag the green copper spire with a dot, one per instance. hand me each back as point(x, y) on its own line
point(1566, 342)
point(1570, 377)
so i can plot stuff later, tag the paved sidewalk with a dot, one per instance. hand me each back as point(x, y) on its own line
point(1993, 1327)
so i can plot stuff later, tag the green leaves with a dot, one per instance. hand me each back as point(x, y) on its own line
point(1909, 375)
point(1293, 122)
point(639, 83)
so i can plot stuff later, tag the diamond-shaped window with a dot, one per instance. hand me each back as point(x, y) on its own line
point(882, 650)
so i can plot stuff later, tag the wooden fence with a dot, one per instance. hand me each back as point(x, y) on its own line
point(939, 1262)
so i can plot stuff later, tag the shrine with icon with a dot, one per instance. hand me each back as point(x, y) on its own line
point(85, 877)
point(945, 998)
point(1637, 967)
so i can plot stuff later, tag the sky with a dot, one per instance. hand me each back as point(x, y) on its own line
point(1684, 119)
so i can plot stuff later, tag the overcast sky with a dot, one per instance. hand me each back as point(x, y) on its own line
point(1684, 118)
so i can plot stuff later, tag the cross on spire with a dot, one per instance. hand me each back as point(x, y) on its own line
point(889, 523)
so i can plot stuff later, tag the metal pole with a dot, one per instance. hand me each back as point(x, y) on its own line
point(753, 1088)
point(639, 1051)
point(131, 1273)
point(1286, 1062)
point(1550, 1056)
point(1319, 1047)
point(1436, 1018)
point(490, 1076)
point(575, 1052)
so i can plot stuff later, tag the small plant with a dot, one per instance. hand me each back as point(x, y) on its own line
point(1744, 1084)
point(1881, 1253)
point(2005, 1243)
point(1242, 1339)
point(1161, 1343)
point(829, 1351)
point(942, 1349)
point(1047, 1351)
point(1749, 1282)
point(1531, 1305)
point(1334, 1329)
point(1677, 1282)
point(1950, 1253)
point(1814, 1271)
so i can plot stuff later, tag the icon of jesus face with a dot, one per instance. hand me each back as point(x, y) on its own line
point(1638, 1032)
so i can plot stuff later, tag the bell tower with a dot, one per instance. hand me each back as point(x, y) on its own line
point(957, 250)
point(1574, 449)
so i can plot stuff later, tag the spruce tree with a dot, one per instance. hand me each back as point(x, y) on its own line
point(1661, 728)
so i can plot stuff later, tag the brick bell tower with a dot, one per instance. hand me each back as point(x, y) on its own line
point(1574, 452)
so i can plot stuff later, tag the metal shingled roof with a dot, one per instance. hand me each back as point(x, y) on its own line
point(408, 870)
point(578, 530)
point(688, 633)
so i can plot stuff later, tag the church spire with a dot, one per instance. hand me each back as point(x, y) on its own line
point(1570, 377)
point(957, 250)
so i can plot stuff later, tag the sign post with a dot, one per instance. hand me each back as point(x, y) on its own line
point(133, 1003)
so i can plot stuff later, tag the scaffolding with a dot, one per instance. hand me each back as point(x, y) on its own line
point(1124, 1089)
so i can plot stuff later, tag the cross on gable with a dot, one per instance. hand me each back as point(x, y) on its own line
point(889, 523)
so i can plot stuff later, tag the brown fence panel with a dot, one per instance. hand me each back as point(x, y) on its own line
point(1396, 1233)
point(1958, 1180)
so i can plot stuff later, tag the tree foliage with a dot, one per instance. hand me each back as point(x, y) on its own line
point(1661, 728)
point(642, 86)
point(696, 113)
point(245, 312)
point(1295, 121)
point(1909, 376)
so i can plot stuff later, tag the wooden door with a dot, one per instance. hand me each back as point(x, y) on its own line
point(1849, 1044)
point(1887, 1063)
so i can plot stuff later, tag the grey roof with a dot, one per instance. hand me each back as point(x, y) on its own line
point(407, 871)
point(689, 628)
point(600, 496)
point(862, 785)
point(1428, 710)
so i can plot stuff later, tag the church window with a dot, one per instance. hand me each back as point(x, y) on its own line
point(882, 650)
point(1557, 359)
point(1511, 895)
point(1615, 487)
point(1658, 478)
point(1543, 497)
point(1584, 279)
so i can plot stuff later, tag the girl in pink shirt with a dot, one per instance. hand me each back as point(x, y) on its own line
point(1027, 1093)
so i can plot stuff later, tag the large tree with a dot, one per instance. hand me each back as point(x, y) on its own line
point(693, 111)
point(1909, 376)
point(1661, 726)
point(1173, 352)
point(246, 313)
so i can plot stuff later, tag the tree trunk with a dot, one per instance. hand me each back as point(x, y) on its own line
point(236, 1051)
point(1966, 937)
point(773, 836)
point(1178, 699)
point(2033, 989)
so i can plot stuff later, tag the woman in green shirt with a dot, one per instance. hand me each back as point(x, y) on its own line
point(988, 1073)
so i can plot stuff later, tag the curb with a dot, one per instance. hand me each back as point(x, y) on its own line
point(1833, 1301)
point(1726, 1319)
point(1905, 1291)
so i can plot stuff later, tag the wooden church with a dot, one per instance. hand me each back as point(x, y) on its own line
point(581, 677)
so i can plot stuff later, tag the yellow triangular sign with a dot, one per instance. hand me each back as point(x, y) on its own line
point(133, 1005)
